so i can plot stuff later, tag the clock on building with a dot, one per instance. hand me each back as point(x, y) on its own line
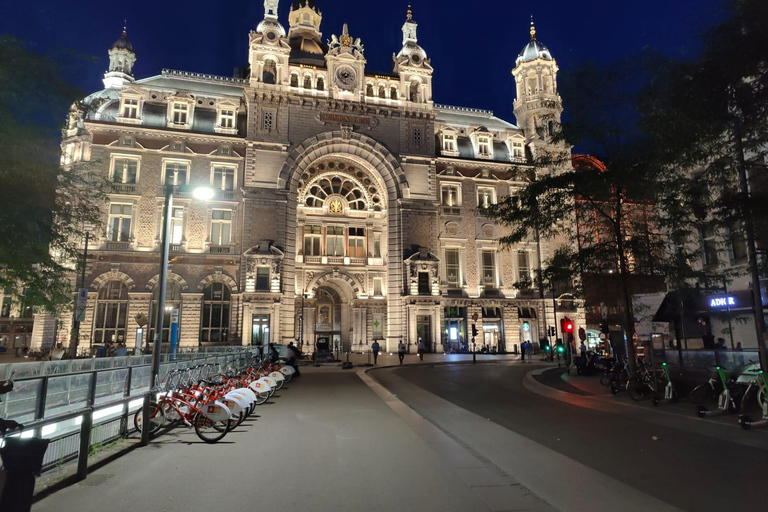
point(346, 78)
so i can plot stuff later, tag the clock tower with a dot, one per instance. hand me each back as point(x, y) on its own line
point(346, 67)
point(413, 66)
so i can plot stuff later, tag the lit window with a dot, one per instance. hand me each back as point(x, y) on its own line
point(111, 315)
point(486, 196)
point(356, 243)
point(130, 108)
point(176, 173)
point(221, 227)
point(223, 178)
point(215, 313)
point(523, 267)
point(489, 267)
point(124, 170)
point(451, 195)
point(180, 113)
point(119, 223)
point(312, 240)
point(452, 268)
point(177, 225)
point(449, 143)
point(227, 119)
point(334, 241)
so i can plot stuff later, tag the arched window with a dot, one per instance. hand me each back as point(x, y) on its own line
point(172, 310)
point(393, 93)
point(415, 92)
point(382, 92)
point(320, 84)
point(214, 325)
point(111, 315)
point(307, 82)
point(270, 72)
point(294, 80)
point(326, 187)
point(369, 90)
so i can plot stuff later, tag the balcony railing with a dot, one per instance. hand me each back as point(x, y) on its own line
point(176, 248)
point(124, 188)
point(117, 246)
point(451, 210)
point(335, 260)
point(220, 249)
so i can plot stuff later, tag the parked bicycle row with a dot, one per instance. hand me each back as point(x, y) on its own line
point(731, 391)
point(213, 401)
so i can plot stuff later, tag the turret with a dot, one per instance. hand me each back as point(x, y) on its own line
point(412, 65)
point(121, 61)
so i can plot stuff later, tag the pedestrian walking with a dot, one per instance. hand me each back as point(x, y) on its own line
point(583, 350)
point(421, 350)
point(375, 348)
point(293, 355)
point(401, 351)
point(523, 348)
point(274, 356)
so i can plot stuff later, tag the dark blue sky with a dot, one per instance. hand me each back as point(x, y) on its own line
point(473, 44)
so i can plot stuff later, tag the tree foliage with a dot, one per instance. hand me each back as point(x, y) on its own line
point(44, 205)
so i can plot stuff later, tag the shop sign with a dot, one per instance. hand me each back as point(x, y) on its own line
point(722, 302)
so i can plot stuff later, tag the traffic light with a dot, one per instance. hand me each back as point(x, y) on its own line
point(474, 331)
point(559, 346)
point(568, 326)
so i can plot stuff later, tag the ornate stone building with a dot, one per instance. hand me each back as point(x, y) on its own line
point(345, 206)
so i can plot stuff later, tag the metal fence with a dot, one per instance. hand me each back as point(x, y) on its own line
point(82, 410)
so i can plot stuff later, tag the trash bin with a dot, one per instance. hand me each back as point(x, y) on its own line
point(22, 461)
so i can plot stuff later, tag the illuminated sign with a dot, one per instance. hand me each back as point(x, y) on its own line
point(526, 326)
point(722, 302)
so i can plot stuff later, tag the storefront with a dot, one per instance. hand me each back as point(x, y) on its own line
point(455, 329)
point(528, 324)
point(493, 330)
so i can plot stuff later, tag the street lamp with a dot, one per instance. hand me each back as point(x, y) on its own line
point(202, 193)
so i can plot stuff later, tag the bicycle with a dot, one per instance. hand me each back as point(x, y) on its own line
point(745, 421)
point(729, 398)
point(756, 390)
point(645, 380)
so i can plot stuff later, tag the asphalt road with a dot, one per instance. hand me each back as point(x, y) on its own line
point(672, 461)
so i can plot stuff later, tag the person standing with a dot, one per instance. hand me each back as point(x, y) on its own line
point(293, 355)
point(401, 351)
point(523, 348)
point(421, 350)
point(375, 349)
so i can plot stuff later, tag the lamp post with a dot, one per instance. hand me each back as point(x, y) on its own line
point(202, 193)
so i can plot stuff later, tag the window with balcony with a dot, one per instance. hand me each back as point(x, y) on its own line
point(130, 108)
point(119, 222)
point(451, 195)
point(223, 178)
point(176, 173)
point(486, 196)
point(125, 171)
point(334, 241)
point(452, 267)
point(180, 113)
point(221, 227)
point(313, 236)
point(356, 243)
point(489, 268)
point(262, 279)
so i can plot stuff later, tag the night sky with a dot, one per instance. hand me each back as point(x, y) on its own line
point(473, 44)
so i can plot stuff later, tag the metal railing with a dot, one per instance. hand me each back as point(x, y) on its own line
point(83, 410)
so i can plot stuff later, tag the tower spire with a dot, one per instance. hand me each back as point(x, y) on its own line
point(533, 30)
point(409, 14)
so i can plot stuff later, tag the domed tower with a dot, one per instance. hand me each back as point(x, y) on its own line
point(268, 49)
point(304, 32)
point(538, 106)
point(121, 61)
point(413, 66)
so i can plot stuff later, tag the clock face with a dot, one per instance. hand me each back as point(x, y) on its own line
point(336, 206)
point(346, 78)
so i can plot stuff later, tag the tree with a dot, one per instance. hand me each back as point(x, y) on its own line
point(45, 206)
point(706, 122)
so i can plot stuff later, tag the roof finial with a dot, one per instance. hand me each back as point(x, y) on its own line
point(533, 30)
point(409, 14)
point(125, 28)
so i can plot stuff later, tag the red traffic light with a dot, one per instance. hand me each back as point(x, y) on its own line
point(569, 326)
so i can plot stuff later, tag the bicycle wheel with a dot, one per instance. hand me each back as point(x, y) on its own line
point(636, 389)
point(156, 418)
point(701, 393)
point(210, 431)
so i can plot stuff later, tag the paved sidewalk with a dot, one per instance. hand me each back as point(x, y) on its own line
point(328, 443)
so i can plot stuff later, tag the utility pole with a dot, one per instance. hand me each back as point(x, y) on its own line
point(74, 341)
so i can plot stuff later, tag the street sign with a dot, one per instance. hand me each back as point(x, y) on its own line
point(82, 302)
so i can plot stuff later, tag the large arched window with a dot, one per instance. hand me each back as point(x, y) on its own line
point(214, 324)
point(111, 315)
point(329, 186)
point(172, 310)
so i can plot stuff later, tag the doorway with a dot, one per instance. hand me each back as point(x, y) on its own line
point(260, 330)
point(424, 331)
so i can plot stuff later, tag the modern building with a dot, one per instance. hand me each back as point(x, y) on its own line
point(346, 203)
